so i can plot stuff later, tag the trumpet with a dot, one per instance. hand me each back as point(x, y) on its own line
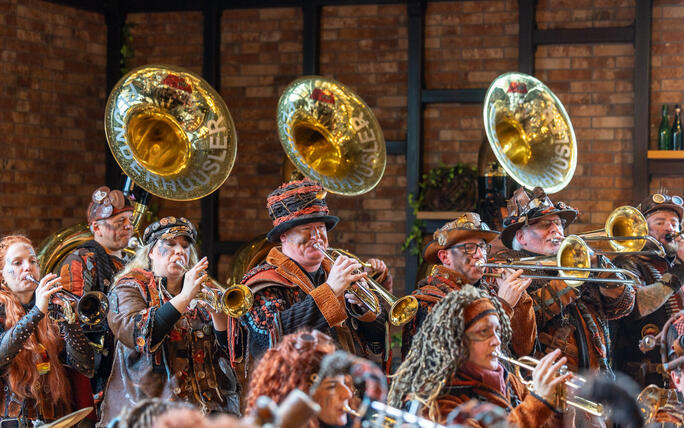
point(626, 230)
point(91, 307)
point(573, 264)
point(402, 310)
point(233, 301)
point(574, 383)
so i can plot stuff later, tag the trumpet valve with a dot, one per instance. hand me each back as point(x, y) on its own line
point(647, 343)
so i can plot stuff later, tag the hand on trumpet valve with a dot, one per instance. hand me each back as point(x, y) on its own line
point(511, 286)
point(194, 278)
point(47, 286)
point(547, 378)
point(343, 273)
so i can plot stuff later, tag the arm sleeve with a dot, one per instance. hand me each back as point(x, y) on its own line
point(622, 305)
point(131, 320)
point(164, 319)
point(12, 340)
point(79, 354)
point(523, 324)
point(550, 299)
point(271, 317)
point(74, 276)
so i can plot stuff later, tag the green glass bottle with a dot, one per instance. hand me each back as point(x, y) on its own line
point(664, 135)
point(676, 130)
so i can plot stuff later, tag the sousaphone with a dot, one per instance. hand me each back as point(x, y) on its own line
point(530, 132)
point(171, 133)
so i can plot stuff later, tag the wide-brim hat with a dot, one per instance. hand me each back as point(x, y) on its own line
point(662, 201)
point(464, 227)
point(295, 203)
point(527, 207)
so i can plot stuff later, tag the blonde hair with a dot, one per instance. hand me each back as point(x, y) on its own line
point(141, 260)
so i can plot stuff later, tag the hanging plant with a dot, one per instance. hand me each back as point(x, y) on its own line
point(443, 188)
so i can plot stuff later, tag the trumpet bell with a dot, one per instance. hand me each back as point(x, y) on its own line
point(626, 221)
point(92, 307)
point(530, 132)
point(237, 300)
point(403, 310)
point(574, 253)
point(331, 135)
point(170, 132)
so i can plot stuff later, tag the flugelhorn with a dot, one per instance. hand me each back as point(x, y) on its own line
point(368, 290)
point(91, 307)
point(574, 383)
point(669, 237)
point(382, 415)
point(573, 264)
point(233, 301)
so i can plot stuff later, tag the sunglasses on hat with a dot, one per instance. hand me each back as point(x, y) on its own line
point(663, 199)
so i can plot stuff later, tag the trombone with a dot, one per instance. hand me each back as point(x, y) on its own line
point(573, 263)
point(233, 301)
point(402, 310)
point(626, 230)
point(575, 383)
point(91, 307)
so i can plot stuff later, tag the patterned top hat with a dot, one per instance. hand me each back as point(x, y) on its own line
point(105, 203)
point(527, 207)
point(466, 226)
point(662, 201)
point(169, 228)
point(297, 202)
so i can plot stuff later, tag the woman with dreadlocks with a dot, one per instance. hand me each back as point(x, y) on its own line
point(34, 349)
point(453, 359)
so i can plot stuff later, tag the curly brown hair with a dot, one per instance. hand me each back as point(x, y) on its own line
point(287, 366)
point(439, 349)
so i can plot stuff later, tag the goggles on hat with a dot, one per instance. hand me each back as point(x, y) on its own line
point(659, 198)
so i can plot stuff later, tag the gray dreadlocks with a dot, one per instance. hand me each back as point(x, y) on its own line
point(439, 349)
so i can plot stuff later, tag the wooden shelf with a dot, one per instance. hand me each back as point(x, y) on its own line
point(666, 154)
point(438, 215)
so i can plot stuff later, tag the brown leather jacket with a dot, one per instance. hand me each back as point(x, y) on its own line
point(188, 364)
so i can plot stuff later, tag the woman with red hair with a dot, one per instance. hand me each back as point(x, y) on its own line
point(294, 364)
point(34, 348)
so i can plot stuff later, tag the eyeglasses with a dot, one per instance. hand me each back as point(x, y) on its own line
point(470, 248)
point(663, 199)
point(484, 334)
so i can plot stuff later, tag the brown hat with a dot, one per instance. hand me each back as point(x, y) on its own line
point(107, 203)
point(466, 226)
point(661, 201)
point(527, 207)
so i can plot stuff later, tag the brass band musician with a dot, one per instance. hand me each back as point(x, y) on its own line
point(457, 250)
point(658, 297)
point(454, 358)
point(297, 287)
point(574, 320)
point(92, 266)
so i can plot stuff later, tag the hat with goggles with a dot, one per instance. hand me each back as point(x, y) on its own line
point(525, 208)
point(661, 201)
point(169, 228)
point(466, 226)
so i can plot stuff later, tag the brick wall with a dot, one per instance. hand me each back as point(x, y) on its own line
point(52, 60)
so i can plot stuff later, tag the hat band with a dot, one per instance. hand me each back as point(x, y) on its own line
point(300, 213)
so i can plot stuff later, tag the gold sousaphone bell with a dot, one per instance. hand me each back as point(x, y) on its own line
point(530, 132)
point(331, 135)
point(170, 132)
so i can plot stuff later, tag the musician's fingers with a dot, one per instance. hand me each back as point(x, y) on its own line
point(560, 379)
point(46, 279)
point(53, 290)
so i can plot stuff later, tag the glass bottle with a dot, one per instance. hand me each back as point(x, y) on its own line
point(664, 134)
point(676, 130)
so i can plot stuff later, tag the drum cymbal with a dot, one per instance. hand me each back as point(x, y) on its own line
point(69, 420)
